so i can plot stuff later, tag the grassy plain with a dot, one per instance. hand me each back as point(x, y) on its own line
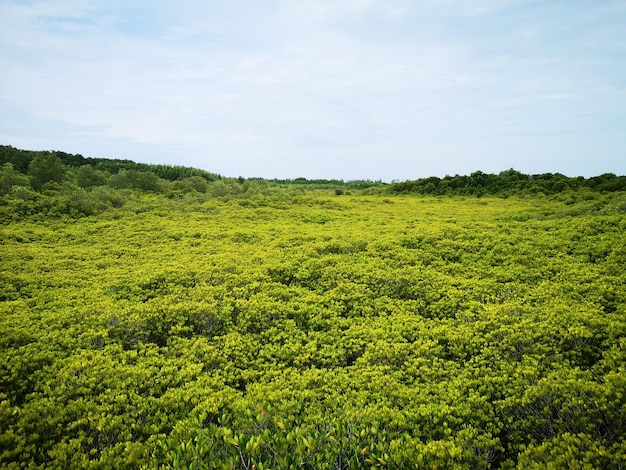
point(316, 330)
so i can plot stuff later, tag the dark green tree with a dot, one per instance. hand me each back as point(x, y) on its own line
point(127, 179)
point(87, 176)
point(45, 167)
point(193, 183)
point(10, 177)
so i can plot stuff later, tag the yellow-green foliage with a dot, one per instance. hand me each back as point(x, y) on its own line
point(316, 330)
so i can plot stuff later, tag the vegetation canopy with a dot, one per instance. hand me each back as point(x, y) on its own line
point(198, 321)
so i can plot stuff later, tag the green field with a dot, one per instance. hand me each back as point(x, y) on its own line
point(299, 328)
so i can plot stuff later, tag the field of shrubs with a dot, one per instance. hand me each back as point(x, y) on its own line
point(312, 328)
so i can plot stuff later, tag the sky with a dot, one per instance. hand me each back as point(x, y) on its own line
point(347, 89)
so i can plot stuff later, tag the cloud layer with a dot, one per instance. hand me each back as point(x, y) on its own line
point(343, 89)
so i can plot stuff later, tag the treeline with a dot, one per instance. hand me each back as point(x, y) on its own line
point(36, 169)
point(22, 160)
point(335, 184)
point(509, 182)
point(54, 183)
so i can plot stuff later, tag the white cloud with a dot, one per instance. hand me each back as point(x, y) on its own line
point(467, 7)
point(309, 87)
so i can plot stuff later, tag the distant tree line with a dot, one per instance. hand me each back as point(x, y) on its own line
point(509, 182)
point(51, 165)
point(57, 184)
point(329, 183)
point(47, 172)
point(22, 160)
point(52, 183)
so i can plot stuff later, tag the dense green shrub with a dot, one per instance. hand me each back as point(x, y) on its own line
point(291, 328)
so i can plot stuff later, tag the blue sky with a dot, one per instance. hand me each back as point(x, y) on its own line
point(351, 89)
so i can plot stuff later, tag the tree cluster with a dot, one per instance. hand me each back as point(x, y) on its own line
point(509, 182)
point(23, 159)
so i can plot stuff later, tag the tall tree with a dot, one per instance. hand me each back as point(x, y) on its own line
point(10, 177)
point(44, 168)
